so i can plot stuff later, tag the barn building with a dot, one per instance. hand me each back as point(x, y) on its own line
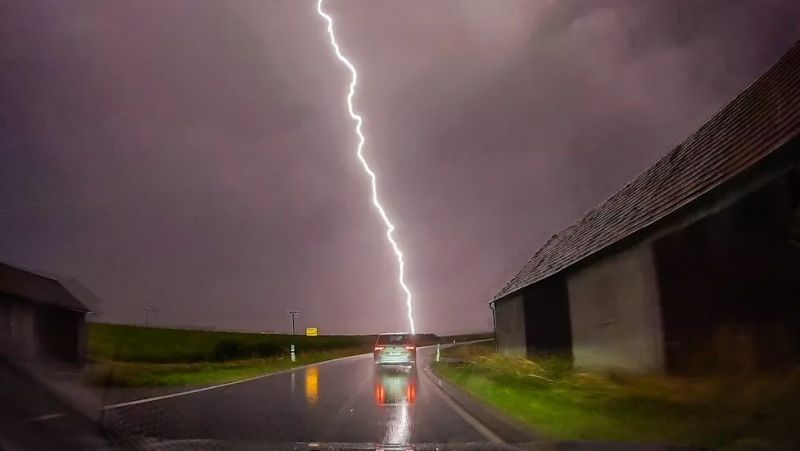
point(40, 320)
point(694, 266)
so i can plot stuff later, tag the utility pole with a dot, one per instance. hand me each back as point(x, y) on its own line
point(293, 315)
point(147, 312)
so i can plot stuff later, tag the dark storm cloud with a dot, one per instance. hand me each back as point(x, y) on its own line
point(196, 157)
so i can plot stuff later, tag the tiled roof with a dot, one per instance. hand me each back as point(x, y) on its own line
point(753, 125)
point(36, 288)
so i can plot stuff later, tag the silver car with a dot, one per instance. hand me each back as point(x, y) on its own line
point(395, 349)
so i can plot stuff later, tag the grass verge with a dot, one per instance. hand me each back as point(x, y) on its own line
point(125, 343)
point(142, 374)
point(729, 412)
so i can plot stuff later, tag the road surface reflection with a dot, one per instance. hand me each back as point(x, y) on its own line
point(395, 387)
point(312, 385)
point(396, 391)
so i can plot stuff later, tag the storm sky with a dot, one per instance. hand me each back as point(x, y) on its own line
point(195, 157)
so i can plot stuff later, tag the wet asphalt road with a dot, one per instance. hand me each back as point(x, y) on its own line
point(341, 401)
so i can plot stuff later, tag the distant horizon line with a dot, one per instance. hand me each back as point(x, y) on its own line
point(266, 332)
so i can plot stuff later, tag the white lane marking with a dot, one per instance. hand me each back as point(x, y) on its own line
point(50, 416)
point(227, 384)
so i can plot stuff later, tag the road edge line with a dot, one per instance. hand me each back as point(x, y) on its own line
point(498, 422)
point(463, 413)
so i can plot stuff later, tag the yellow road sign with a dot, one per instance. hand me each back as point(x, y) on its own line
point(311, 332)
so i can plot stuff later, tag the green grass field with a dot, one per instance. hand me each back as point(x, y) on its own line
point(142, 374)
point(159, 345)
point(135, 356)
point(730, 412)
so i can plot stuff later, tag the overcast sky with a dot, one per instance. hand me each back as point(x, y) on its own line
point(195, 156)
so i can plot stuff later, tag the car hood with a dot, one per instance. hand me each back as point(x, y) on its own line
point(158, 444)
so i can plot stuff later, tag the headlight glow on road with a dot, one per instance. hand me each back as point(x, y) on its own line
point(360, 154)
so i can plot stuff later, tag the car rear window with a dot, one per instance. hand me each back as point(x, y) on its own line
point(394, 339)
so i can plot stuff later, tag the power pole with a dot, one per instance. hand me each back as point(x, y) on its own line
point(293, 315)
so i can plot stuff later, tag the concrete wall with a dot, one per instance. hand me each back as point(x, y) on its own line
point(510, 324)
point(730, 285)
point(615, 312)
point(82, 343)
point(547, 320)
point(5, 327)
point(57, 334)
point(23, 330)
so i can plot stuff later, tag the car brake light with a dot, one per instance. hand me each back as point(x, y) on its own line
point(379, 348)
point(411, 348)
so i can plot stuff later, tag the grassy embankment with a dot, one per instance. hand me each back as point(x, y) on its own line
point(733, 411)
point(134, 356)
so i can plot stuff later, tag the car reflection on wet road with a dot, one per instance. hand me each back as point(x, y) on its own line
point(395, 387)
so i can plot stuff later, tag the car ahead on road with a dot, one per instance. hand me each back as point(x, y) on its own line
point(395, 349)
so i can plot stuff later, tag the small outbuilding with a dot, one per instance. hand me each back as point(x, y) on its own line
point(40, 320)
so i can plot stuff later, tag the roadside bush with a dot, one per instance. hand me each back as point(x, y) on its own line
point(123, 343)
point(267, 349)
point(233, 350)
point(229, 350)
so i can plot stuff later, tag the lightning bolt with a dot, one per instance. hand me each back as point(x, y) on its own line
point(360, 154)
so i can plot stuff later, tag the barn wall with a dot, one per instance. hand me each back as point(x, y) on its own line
point(547, 321)
point(30, 331)
point(81, 351)
point(730, 284)
point(510, 324)
point(615, 312)
point(5, 327)
point(23, 330)
point(57, 334)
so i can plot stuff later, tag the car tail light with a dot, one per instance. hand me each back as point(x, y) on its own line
point(411, 348)
point(379, 348)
